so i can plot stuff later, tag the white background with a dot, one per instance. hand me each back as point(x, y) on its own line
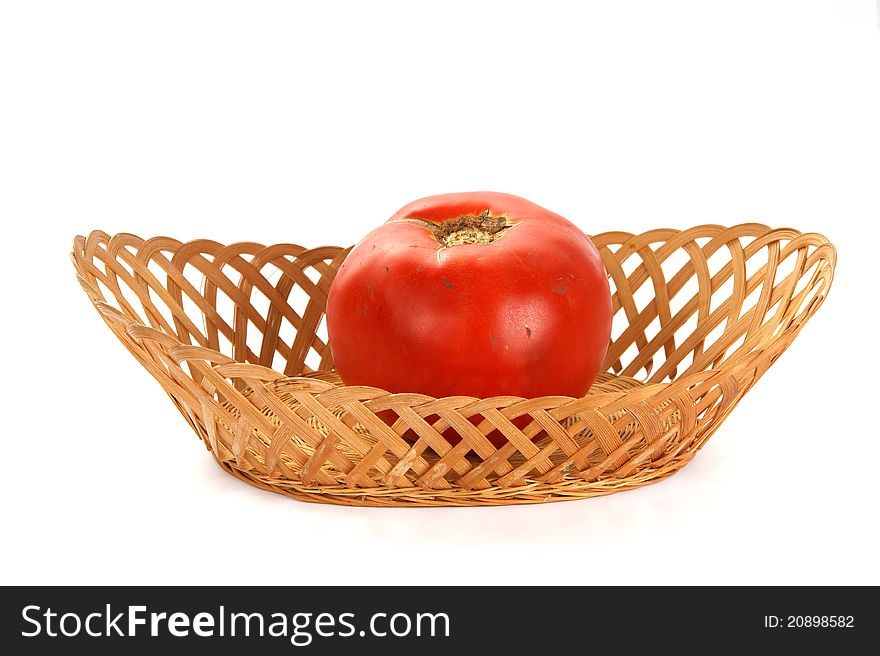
point(312, 123)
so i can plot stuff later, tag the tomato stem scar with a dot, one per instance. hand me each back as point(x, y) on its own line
point(467, 229)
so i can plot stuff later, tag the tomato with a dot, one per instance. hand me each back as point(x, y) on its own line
point(477, 294)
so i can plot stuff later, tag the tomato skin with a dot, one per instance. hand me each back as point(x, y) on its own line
point(528, 314)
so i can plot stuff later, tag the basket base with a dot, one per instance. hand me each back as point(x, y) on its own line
point(529, 492)
point(416, 497)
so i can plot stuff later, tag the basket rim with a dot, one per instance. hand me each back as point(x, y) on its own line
point(139, 331)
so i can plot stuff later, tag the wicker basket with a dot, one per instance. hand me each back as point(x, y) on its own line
point(236, 336)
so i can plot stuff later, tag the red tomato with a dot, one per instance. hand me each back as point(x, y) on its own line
point(477, 294)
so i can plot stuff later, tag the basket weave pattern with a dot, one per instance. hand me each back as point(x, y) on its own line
point(236, 337)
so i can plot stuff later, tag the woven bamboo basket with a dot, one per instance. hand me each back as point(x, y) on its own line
point(236, 337)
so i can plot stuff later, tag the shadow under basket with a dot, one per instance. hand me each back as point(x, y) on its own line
point(236, 336)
